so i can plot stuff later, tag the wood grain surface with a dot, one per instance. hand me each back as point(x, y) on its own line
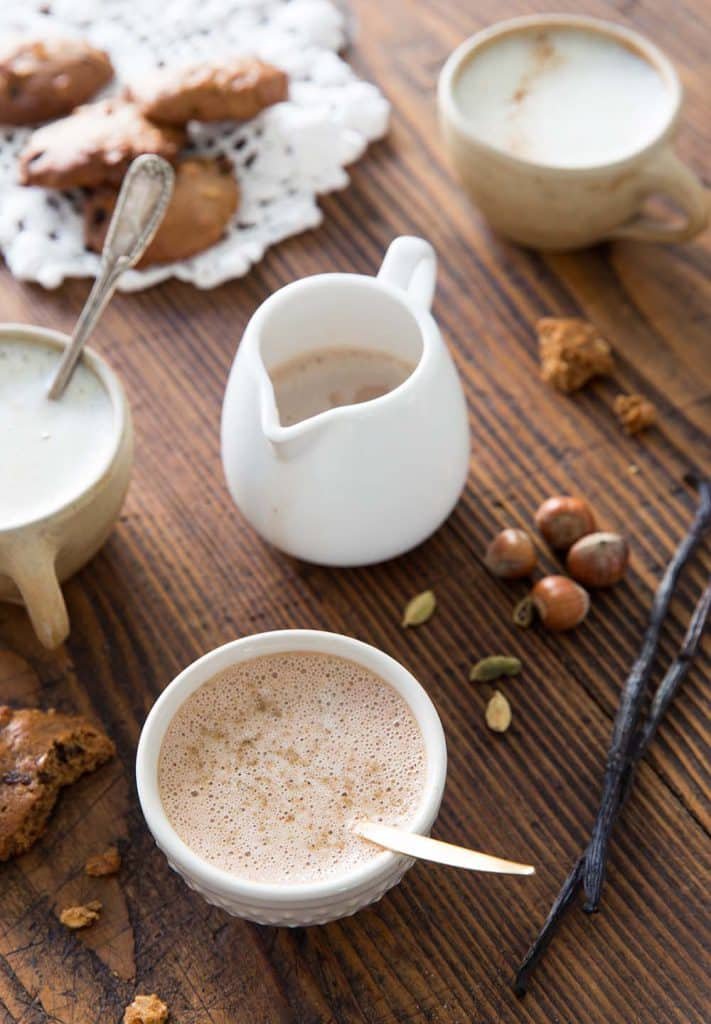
point(182, 573)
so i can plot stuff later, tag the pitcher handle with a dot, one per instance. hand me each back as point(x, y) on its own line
point(33, 571)
point(411, 264)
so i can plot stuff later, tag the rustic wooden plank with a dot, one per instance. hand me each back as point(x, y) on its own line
point(183, 573)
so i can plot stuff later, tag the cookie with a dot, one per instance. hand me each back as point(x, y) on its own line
point(94, 145)
point(205, 198)
point(228, 90)
point(43, 79)
point(41, 751)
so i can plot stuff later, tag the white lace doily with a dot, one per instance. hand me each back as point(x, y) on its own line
point(283, 159)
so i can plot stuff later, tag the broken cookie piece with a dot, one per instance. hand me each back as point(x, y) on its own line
point(43, 79)
point(94, 145)
point(41, 751)
point(225, 90)
point(204, 201)
point(80, 916)
point(635, 413)
point(146, 1010)
point(102, 864)
point(572, 351)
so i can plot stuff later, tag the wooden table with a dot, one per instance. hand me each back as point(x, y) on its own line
point(182, 574)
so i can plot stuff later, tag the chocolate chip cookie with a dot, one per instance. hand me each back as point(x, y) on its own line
point(43, 79)
point(204, 199)
point(94, 145)
point(228, 90)
point(41, 751)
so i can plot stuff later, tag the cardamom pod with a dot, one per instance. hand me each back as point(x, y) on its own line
point(419, 609)
point(524, 612)
point(488, 669)
point(498, 713)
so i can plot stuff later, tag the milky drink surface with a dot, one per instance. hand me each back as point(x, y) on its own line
point(330, 377)
point(263, 770)
point(563, 97)
point(50, 451)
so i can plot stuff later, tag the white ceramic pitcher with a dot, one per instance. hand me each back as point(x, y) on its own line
point(359, 483)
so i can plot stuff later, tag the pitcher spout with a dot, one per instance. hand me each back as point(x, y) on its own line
point(287, 443)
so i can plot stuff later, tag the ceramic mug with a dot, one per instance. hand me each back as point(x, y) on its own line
point(552, 207)
point(307, 902)
point(36, 555)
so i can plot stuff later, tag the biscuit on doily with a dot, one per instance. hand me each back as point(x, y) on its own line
point(94, 145)
point(204, 201)
point(44, 79)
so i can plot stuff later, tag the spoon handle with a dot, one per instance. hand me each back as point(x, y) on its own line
point(144, 196)
point(412, 844)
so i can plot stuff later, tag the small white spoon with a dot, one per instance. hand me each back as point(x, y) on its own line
point(142, 201)
point(414, 845)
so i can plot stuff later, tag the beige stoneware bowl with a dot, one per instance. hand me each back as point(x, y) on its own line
point(557, 208)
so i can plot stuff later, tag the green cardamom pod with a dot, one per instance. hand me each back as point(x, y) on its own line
point(494, 667)
point(419, 609)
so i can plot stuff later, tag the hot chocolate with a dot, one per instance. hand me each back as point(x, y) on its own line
point(264, 769)
point(326, 378)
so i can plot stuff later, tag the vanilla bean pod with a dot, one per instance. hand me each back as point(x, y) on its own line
point(568, 892)
point(664, 695)
point(670, 683)
point(628, 712)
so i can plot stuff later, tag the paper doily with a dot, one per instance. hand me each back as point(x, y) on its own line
point(283, 159)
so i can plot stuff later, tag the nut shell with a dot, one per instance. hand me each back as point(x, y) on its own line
point(560, 602)
point(599, 559)
point(511, 554)
point(563, 519)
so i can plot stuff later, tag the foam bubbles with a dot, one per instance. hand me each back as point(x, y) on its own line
point(263, 770)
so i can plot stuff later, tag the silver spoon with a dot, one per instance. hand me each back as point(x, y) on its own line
point(412, 844)
point(144, 196)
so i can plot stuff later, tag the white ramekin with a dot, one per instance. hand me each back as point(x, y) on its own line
point(311, 902)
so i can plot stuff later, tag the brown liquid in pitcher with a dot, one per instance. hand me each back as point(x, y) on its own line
point(330, 377)
point(264, 769)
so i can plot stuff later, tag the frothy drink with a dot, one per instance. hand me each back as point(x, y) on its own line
point(49, 451)
point(326, 378)
point(264, 769)
point(564, 97)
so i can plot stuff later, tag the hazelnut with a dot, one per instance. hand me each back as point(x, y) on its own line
point(564, 519)
point(599, 559)
point(560, 602)
point(511, 554)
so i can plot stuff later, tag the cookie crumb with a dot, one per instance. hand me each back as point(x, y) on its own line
point(572, 351)
point(146, 1010)
point(635, 413)
point(80, 916)
point(106, 863)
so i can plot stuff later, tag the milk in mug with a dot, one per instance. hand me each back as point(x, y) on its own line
point(50, 451)
point(563, 97)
